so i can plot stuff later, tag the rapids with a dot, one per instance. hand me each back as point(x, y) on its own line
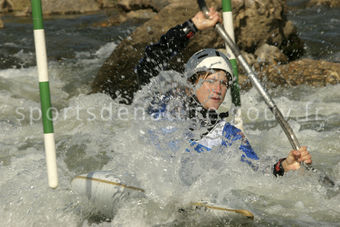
point(94, 132)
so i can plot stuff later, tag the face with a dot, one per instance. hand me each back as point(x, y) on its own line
point(210, 90)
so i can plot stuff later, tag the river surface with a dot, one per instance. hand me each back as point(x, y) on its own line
point(94, 132)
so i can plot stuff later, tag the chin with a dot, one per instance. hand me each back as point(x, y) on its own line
point(213, 106)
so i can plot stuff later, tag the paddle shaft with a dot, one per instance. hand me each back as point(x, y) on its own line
point(250, 73)
point(268, 100)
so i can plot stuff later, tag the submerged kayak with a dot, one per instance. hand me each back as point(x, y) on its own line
point(107, 193)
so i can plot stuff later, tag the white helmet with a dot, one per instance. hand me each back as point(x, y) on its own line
point(205, 60)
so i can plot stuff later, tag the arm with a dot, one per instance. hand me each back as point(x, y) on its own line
point(157, 56)
point(292, 162)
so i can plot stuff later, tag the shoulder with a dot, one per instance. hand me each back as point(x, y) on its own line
point(232, 132)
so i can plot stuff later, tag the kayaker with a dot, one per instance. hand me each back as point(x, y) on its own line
point(210, 73)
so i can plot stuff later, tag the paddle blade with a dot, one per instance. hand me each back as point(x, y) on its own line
point(245, 213)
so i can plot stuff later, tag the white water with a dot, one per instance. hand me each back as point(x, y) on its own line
point(88, 140)
point(89, 137)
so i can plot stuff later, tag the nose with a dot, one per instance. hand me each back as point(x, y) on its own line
point(217, 87)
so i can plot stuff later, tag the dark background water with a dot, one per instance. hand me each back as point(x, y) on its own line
point(319, 27)
point(64, 37)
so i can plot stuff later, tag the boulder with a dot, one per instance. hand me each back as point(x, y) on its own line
point(23, 7)
point(107, 3)
point(259, 22)
point(14, 5)
point(142, 14)
point(303, 71)
point(155, 5)
point(19, 7)
point(134, 10)
point(269, 54)
point(249, 57)
point(255, 22)
point(67, 6)
point(328, 3)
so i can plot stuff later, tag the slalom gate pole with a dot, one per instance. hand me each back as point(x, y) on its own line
point(268, 100)
point(45, 99)
point(235, 87)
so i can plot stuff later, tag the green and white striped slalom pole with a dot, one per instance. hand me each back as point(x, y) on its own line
point(40, 49)
point(235, 88)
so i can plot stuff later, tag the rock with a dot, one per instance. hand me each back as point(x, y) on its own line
point(1, 23)
point(107, 3)
point(141, 14)
point(264, 20)
point(269, 54)
point(250, 58)
point(129, 5)
point(14, 5)
point(23, 7)
point(303, 71)
point(135, 9)
point(289, 29)
point(23, 13)
point(328, 3)
point(67, 6)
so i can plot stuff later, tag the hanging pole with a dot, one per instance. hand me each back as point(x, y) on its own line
point(45, 99)
point(235, 87)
